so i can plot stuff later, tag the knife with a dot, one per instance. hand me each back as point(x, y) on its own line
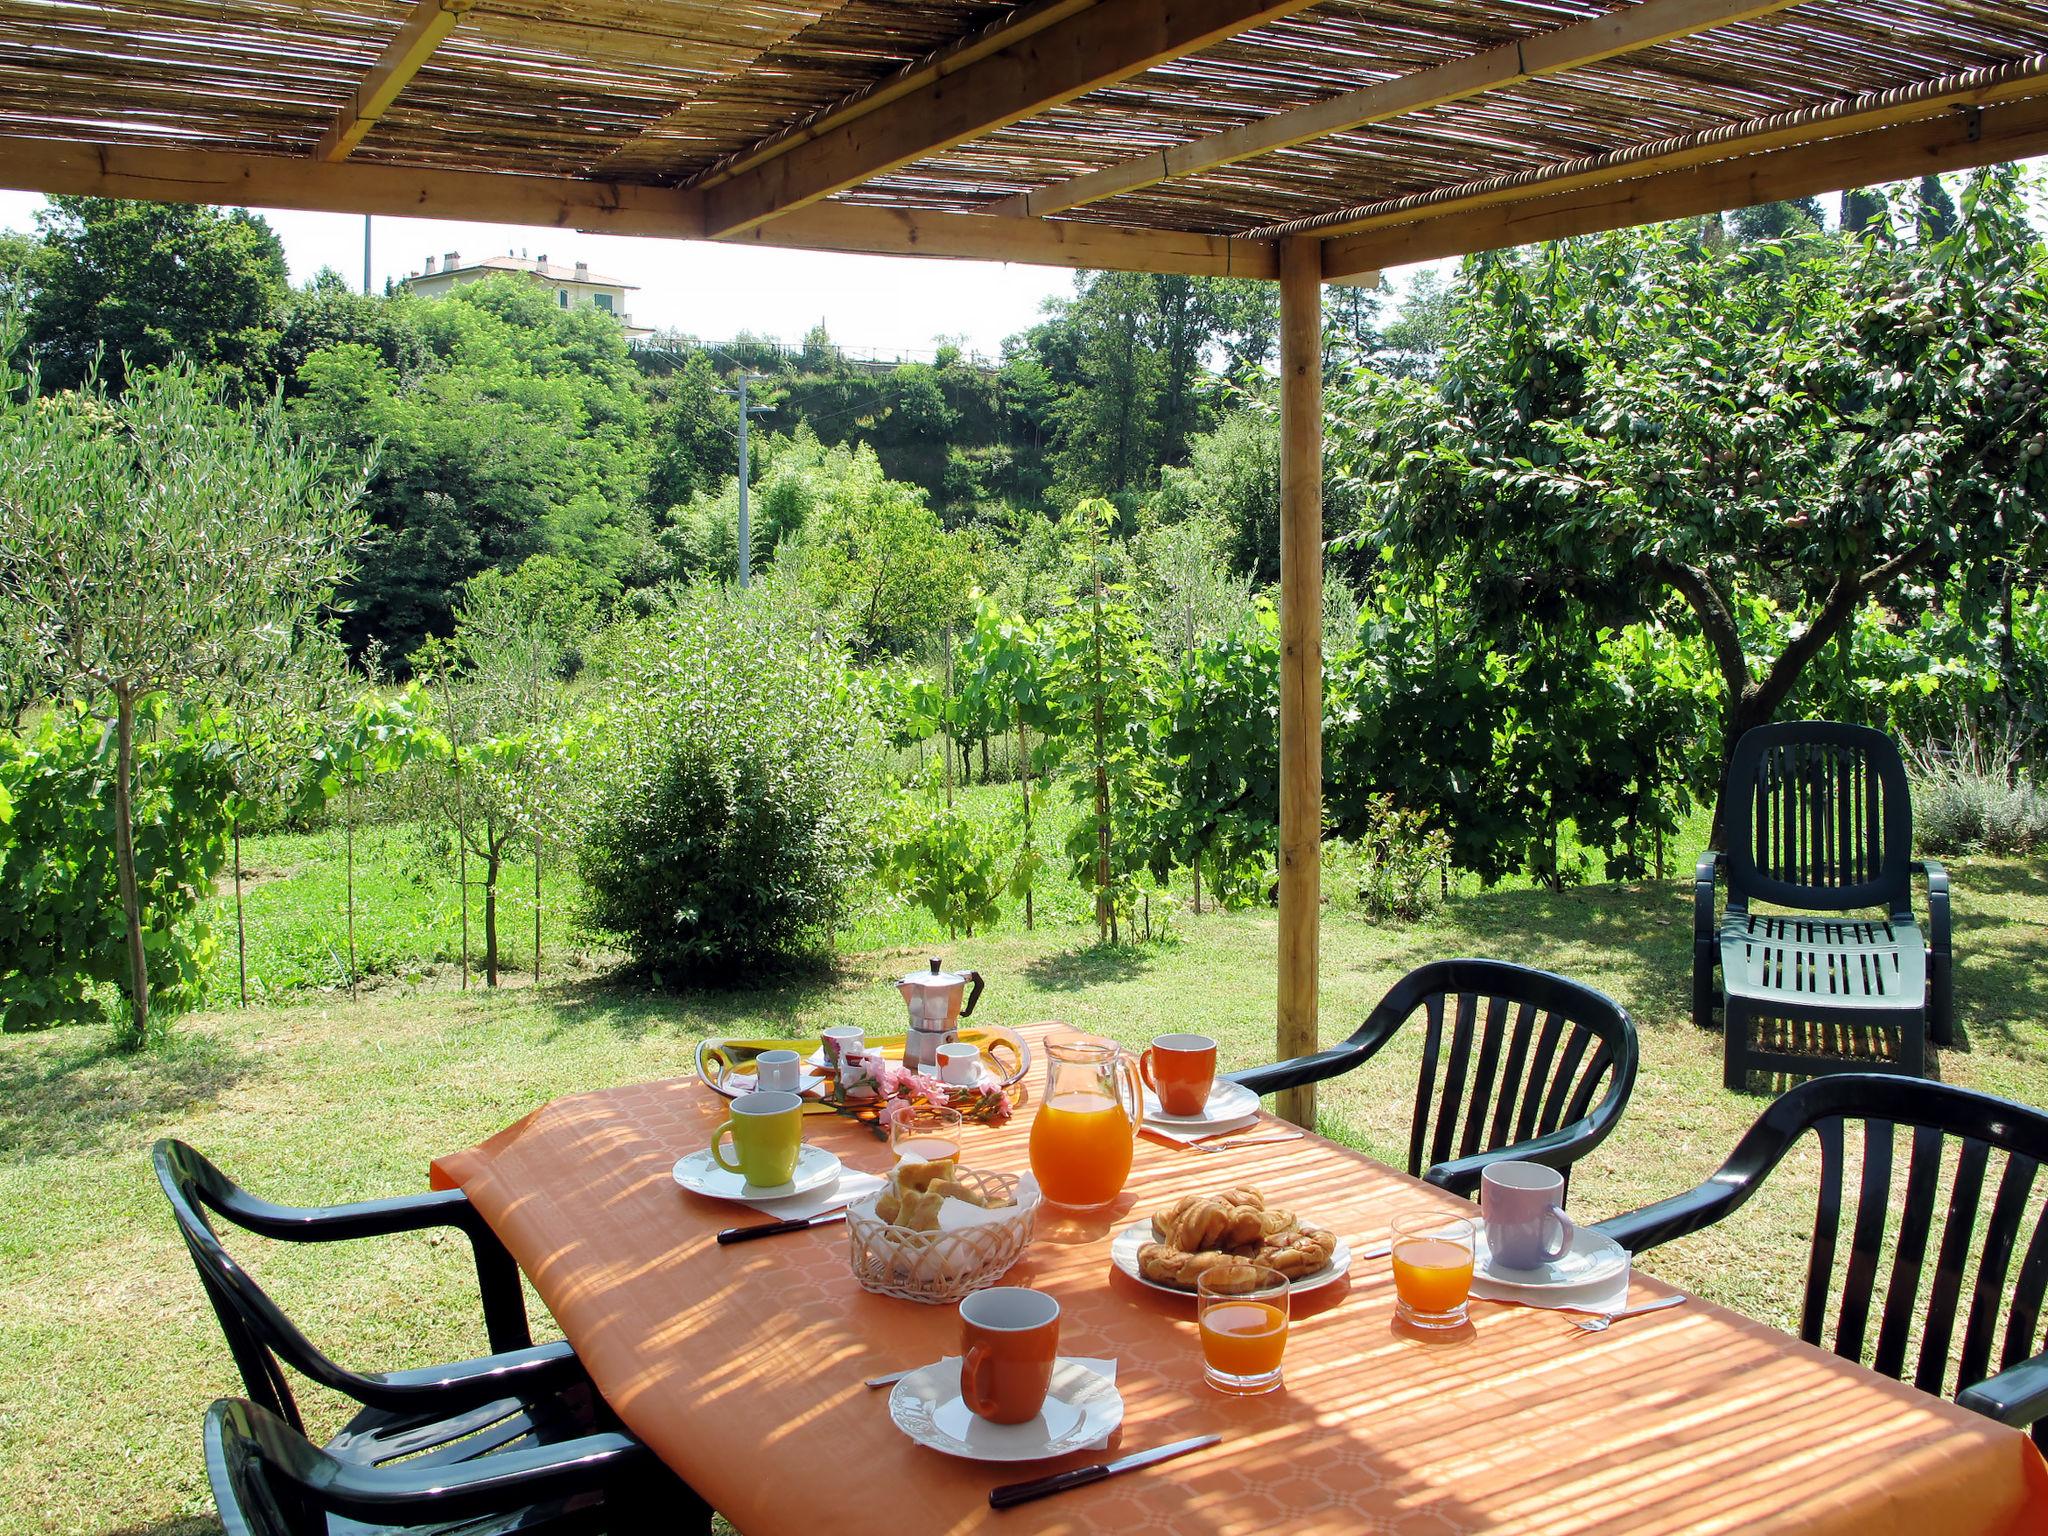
point(776, 1228)
point(1080, 1477)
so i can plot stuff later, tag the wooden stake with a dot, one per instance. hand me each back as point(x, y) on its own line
point(1301, 658)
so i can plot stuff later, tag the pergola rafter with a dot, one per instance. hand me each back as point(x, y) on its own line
point(425, 29)
point(1308, 141)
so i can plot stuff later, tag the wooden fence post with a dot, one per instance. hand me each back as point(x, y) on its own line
point(1301, 658)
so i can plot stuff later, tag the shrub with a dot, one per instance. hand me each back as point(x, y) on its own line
point(1971, 797)
point(730, 786)
point(60, 912)
point(1403, 863)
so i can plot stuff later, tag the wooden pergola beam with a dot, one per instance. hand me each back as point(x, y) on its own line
point(1977, 88)
point(429, 24)
point(1546, 53)
point(1108, 41)
point(155, 174)
point(1963, 139)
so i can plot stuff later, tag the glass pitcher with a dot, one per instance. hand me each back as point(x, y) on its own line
point(1082, 1135)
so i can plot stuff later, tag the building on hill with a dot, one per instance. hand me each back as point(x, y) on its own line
point(574, 287)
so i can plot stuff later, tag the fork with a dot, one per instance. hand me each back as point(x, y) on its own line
point(1600, 1322)
point(1232, 1144)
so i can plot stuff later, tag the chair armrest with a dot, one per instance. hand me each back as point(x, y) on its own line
point(1703, 876)
point(2017, 1395)
point(1700, 1206)
point(1558, 1150)
point(1938, 917)
point(1315, 1068)
point(497, 1275)
point(523, 1373)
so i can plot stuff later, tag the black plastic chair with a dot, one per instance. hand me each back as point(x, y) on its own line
point(1820, 820)
point(1942, 1119)
point(1526, 1053)
point(510, 1402)
point(270, 1480)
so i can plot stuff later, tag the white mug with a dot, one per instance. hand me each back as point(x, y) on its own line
point(778, 1071)
point(960, 1065)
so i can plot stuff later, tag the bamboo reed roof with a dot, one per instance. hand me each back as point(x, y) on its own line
point(689, 94)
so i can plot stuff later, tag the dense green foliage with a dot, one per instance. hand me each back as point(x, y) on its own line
point(61, 927)
point(730, 788)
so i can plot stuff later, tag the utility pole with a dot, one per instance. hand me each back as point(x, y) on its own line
point(746, 532)
point(366, 254)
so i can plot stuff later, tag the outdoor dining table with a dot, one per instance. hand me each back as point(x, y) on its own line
point(742, 1367)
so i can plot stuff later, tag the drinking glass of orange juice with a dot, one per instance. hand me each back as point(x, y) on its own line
point(1082, 1135)
point(1243, 1315)
point(926, 1133)
point(1432, 1256)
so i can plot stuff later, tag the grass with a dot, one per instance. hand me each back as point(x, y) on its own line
point(109, 1355)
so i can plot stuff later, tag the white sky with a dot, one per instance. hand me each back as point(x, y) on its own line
point(867, 302)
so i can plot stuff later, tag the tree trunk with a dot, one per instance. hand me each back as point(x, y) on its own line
point(491, 861)
point(1105, 915)
point(241, 934)
point(137, 1033)
point(536, 909)
point(348, 829)
point(1024, 783)
point(1198, 885)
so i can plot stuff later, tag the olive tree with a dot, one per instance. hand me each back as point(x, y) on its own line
point(164, 540)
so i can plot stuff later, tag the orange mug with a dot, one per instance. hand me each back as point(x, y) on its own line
point(1180, 1070)
point(1009, 1337)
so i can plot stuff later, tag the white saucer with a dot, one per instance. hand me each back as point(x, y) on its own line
point(1124, 1254)
point(700, 1174)
point(1081, 1410)
point(1592, 1258)
point(811, 1084)
point(1227, 1101)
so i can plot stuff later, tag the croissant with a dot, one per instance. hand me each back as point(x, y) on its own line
point(1163, 1265)
point(1298, 1251)
point(1197, 1222)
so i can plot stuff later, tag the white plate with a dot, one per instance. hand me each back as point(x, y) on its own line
point(811, 1084)
point(700, 1174)
point(1592, 1258)
point(1227, 1101)
point(1124, 1254)
point(1082, 1408)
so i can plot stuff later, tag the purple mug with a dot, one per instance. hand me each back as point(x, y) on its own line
point(1526, 1226)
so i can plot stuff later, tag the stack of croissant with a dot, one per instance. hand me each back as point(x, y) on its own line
point(1202, 1232)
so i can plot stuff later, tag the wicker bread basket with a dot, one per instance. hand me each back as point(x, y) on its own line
point(943, 1266)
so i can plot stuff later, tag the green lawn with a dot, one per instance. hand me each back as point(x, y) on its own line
point(109, 1355)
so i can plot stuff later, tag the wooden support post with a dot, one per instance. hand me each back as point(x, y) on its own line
point(1301, 656)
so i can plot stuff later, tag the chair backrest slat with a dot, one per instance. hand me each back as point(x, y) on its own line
point(1827, 1225)
point(1953, 1257)
point(1561, 1083)
point(1513, 1081)
point(1455, 1066)
point(1482, 1095)
point(1866, 1239)
point(2023, 1320)
point(1432, 1050)
point(1539, 1073)
point(1994, 1263)
point(1819, 817)
point(1909, 1257)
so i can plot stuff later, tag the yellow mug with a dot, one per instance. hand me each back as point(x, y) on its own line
point(767, 1131)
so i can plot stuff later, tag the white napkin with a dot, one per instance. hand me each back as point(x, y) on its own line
point(845, 1190)
point(955, 1214)
point(1186, 1133)
point(1106, 1369)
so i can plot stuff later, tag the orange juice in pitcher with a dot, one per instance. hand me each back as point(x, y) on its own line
point(1082, 1135)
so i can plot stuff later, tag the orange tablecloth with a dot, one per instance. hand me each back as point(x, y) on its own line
point(742, 1368)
